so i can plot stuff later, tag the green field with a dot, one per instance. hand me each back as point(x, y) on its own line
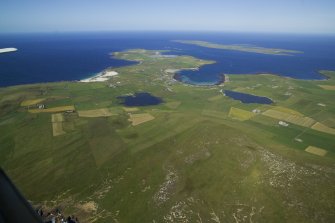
point(197, 157)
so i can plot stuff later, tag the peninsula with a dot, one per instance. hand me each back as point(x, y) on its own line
point(241, 47)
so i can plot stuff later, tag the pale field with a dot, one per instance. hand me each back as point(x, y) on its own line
point(287, 110)
point(57, 129)
point(57, 117)
point(295, 119)
point(316, 151)
point(102, 112)
point(138, 119)
point(240, 114)
point(328, 87)
point(323, 128)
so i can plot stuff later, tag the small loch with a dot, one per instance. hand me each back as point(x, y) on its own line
point(140, 99)
point(247, 98)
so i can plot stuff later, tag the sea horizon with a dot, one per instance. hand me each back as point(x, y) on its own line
point(43, 57)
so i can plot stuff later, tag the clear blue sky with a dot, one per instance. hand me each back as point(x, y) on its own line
point(297, 16)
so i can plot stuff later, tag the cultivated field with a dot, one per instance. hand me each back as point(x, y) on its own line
point(295, 119)
point(328, 87)
point(57, 129)
point(316, 151)
point(102, 112)
point(137, 119)
point(57, 117)
point(57, 124)
point(286, 110)
point(239, 114)
point(323, 128)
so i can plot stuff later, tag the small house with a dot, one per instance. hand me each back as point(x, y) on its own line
point(283, 123)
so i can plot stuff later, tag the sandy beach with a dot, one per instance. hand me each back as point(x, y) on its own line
point(7, 50)
point(100, 77)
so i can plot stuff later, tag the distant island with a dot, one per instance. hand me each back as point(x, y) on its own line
point(7, 50)
point(241, 47)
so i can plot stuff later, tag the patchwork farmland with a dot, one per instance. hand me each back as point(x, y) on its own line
point(196, 157)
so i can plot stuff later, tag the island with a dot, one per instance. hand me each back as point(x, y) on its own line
point(7, 50)
point(241, 47)
point(141, 146)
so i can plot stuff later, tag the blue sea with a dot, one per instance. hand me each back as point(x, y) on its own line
point(53, 57)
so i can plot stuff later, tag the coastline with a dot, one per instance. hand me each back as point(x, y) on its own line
point(100, 77)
